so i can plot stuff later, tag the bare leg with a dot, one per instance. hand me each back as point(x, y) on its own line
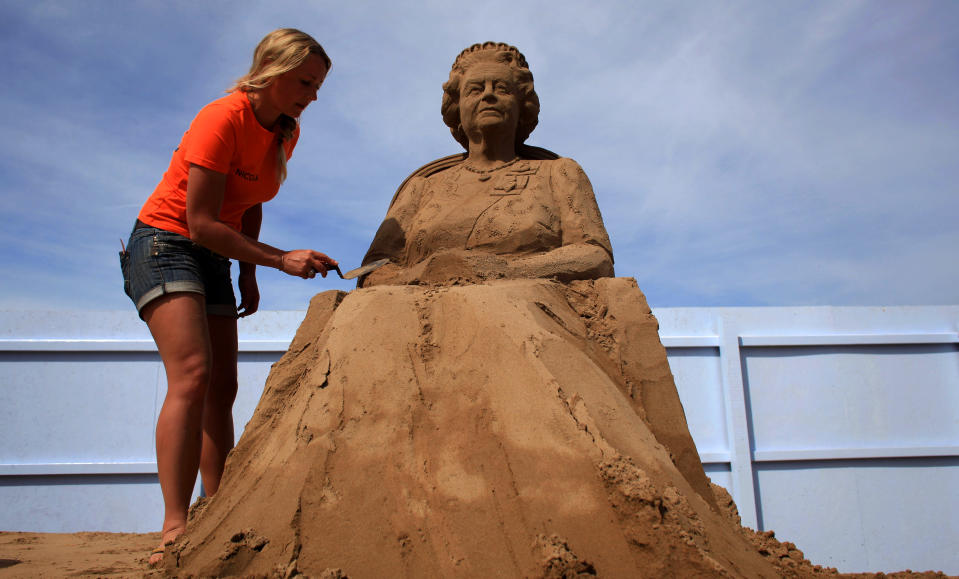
point(179, 327)
point(218, 409)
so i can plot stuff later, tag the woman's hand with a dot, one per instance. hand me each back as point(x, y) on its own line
point(249, 293)
point(306, 263)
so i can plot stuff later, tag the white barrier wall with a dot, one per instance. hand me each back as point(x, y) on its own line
point(836, 427)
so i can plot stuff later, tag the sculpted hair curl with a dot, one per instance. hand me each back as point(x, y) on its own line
point(491, 52)
point(280, 51)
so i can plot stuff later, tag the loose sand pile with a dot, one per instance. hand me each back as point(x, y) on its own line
point(521, 428)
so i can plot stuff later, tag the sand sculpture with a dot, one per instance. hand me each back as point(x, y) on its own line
point(492, 403)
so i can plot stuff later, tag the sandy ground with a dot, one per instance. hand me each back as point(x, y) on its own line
point(76, 554)
point(125, 555)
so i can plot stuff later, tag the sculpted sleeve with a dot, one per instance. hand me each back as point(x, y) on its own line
point(573, 194)
point(391, 237)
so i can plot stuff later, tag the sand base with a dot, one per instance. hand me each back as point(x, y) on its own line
point(125, 555)
point(521, 428)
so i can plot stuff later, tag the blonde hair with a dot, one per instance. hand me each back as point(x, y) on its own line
point(279, 52)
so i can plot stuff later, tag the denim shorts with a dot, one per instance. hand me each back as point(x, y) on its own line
point(157, 262)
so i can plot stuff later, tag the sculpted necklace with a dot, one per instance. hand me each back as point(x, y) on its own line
point(486, 174)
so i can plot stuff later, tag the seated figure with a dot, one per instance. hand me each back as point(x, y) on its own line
point(502, 209)
point(506, 210)
point(491, 403)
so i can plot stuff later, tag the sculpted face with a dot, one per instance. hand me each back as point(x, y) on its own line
point(488, 99)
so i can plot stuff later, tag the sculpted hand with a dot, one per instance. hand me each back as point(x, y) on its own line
point(306, 263)
point(389, 274)
point(462, 265)
point(566, 263)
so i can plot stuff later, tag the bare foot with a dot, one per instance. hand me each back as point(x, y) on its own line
point(156, 555)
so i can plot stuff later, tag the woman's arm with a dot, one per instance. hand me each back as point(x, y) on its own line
point(249, 289)
point(204, 198)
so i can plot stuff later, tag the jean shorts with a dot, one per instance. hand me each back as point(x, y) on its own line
point(157, 262)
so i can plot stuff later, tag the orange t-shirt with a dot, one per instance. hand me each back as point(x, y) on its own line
point(224, 137)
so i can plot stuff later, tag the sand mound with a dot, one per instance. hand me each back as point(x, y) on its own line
point(521, 428)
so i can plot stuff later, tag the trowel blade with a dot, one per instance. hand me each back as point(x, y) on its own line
point(366, 268)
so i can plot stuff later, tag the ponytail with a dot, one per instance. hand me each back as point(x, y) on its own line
point(284, 128)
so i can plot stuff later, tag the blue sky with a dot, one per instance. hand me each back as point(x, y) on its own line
point(742, 153)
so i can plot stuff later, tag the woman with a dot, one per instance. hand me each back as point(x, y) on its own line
point(501, 210)
point(206, 209)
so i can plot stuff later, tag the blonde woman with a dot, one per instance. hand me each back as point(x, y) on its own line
point(176, 268)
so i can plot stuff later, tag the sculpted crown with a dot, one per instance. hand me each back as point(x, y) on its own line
point(510, 53)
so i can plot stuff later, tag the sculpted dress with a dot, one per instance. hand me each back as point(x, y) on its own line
point(536, 218)
point(491, 404)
